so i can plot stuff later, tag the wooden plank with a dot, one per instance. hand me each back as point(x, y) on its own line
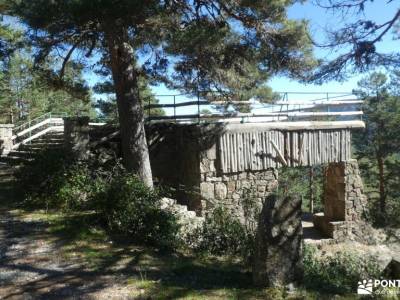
point(342, 150)
point(246, 150)
point(279, 153)
point(314, 147)
point(236, 152)
point(270, 162)
point(251, 148)
point(295, 149)
point(337, 145)
point(301, 138)
point(231, 152)
point(262, 150)
point(321, 142)
point(222, 153)
point(348, 145)
point(259, 151)
point(319, 147)
point(242, 151)
point(303, 125)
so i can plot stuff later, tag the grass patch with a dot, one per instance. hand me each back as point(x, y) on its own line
point(147, 272)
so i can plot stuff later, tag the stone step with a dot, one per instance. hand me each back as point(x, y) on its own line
point(14, 160)
point(35, 148)
point(48, 140)
point(21, 153)
point(6, 170)
point(44, 143)
point(331, 229)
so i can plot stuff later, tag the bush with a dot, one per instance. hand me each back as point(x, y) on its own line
point(131, 208)
point(36, 176)
point(55, 180)
point(389, 219)
point(76, 188)
point(338, 273)
point(224, 234)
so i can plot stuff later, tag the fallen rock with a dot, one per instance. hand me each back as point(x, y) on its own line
point(188, 220)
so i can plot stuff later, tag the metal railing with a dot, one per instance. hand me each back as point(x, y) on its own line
point(35, 128)
point(18, 129)
point(290, 106)
point(42, 125)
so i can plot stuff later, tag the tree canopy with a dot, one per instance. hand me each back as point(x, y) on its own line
point(228, 46)
point(27, 91)
point(231, 47)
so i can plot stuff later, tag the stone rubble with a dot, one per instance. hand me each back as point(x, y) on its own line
point(190, 223)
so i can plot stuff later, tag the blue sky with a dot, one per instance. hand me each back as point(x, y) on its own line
point(320, 19)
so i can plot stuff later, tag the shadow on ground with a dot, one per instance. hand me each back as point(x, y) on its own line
point(54, 256)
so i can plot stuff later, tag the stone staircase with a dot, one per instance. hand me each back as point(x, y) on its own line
point(27, 152)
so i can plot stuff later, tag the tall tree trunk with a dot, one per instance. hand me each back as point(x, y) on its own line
point(130, 110)
point(382, 189)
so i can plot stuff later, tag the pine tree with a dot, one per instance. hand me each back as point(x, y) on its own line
point(379, 143)
point(192, 45)
point(108, 107)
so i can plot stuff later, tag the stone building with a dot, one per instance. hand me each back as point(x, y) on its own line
point(236, 166)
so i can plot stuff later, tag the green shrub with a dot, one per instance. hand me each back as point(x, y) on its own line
point(36, 176)
point(76, 188)
point(131, 208)
point(223, 234)
point(55, 180)
point(338, 273)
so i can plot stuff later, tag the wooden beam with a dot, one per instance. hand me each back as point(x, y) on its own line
point(282, 159)
point(300, 125)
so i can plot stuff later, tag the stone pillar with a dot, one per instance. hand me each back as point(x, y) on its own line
point(6, 142)
point(76, 136)
point(344, 201)
point(278, 247)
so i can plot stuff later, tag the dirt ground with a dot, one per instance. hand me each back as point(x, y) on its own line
point(52, 256)
point(31, 267)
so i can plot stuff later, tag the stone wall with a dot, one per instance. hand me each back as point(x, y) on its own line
point(186, 158)
point(344, 203)
point(242, 193)
point(76, 136)
point(6, 138)
point(174, 156)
